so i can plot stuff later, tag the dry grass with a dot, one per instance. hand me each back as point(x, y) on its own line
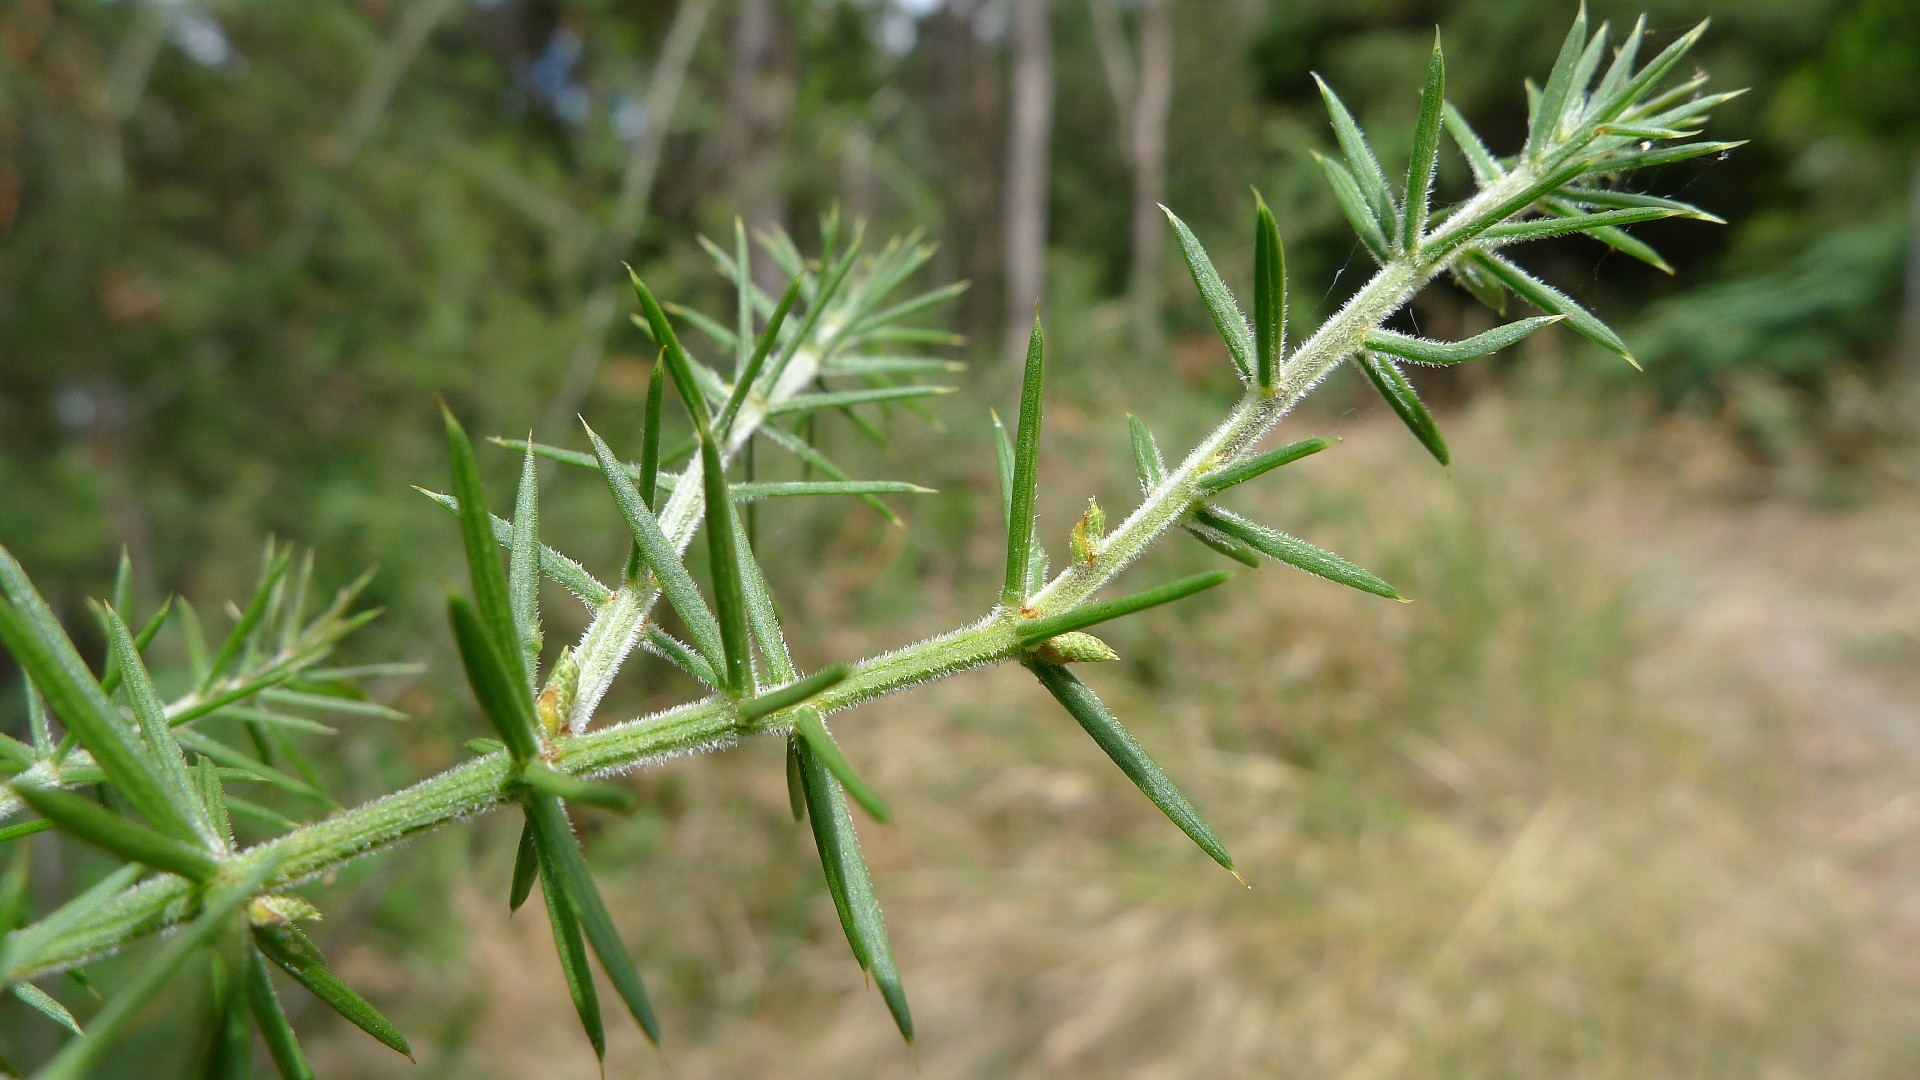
point(1628, 792)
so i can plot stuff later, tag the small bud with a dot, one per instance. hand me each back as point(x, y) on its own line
point(1075, 647)
point(556, 698)
point(276, 909)
point(1087, 533)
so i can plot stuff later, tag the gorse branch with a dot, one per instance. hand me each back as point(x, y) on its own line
point(835, 342)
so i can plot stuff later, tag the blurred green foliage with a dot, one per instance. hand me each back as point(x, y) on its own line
point(233, 274)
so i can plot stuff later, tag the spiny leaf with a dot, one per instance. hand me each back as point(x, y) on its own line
point(724, 559)
point(562, 852)
point(544, 777)
point(889, 365)
point(1551, 300)
point(1607, 197)
point(1032, 632)
point(213, 796)
point(572, 951)
point(96, 825)
point(1545, 128)
point(1269, 297)
point(1609, 108)
point(1541, 228)
point(1293, 551)
point(678, 364)
point(44, 1003)
point(289, 948)
point(1003, 466)
point(662, 557)
point(1214, 481)
point(1221, 305)
point(650, 436)
point(849, 882)
point(503, 698)
point(843, 399)
point(808, 725)
point(268, 1015)
point(680, 655)
point(910, 307)
point(18, 829)
point(1147, 463)
point(249, 620)
point(526, 866)
point(1668, 155)
point(1427, 351)
point(523, 566)
point(1026, 472)
point(47, 656)
point(222, 754)
point(796, 793)
point(1366, 171)
point(490, 594)
point(813, 458)
point(1120, 745)
point(78, 1057)
point(1399, 393)
point(793, 693)
point(1225, 545)
point(1426, 151)
point(783, 489)
point(569, 574)
point(743, 302)
point(1353, 203)
point(750, 371)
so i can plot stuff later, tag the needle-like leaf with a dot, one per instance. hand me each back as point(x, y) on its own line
point(1120, 745)
point(289, 948)
point(1293, 551)
point(539, 774)
point(1610, 107)
point(1219, 300)
point(503, 698)
point(554, 565)
point(526, 867)
point(1147, 462)
point(250, 620)
point(1542, 228)
point(662, 557)
point(843, 399)
point(523, 566)
point(562, 853)
point(813, 458)
point(1549, 299)
point(724, 558)
point(1406, 404)
point(271, 1018)
point(1426, 151)
point(1479, 159)
point(227, 757)
point(1353, 204)
point(1364, 166)
point(1427, 351)
point(1554, 97)
point(44, 1003)
point(678, 364)
point(90, 822)
point(808, 725)
point(1026, 472)
point(750, 371)
point(849, 882)
point(572, 950)
point(1215, 481)
point(793, 693)
point(1269, 297)
point(490, 593)
point(1033, 632)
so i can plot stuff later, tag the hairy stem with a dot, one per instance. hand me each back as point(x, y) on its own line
point(487, 783)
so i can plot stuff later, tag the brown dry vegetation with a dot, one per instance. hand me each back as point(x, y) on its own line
point(1627, 792)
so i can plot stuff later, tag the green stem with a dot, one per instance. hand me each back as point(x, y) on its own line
point(487, 783)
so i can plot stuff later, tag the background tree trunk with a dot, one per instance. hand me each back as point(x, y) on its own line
point(1147, 150)
point(1027, 149)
